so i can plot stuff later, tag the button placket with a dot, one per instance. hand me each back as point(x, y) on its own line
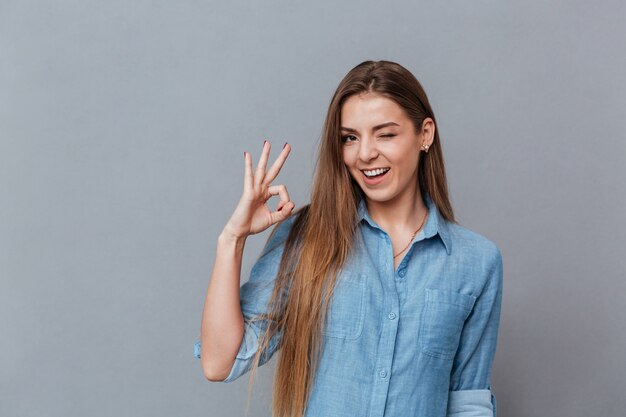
point(389, 329)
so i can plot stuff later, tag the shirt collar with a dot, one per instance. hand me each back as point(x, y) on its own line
point(436, 224)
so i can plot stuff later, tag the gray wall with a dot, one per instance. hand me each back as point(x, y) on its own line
point(123, 125)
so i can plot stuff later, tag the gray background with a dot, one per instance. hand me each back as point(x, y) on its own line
point(123, 126)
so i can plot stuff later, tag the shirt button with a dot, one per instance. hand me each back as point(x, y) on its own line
point(402, 272)
point(392, 316)
point(382, 374)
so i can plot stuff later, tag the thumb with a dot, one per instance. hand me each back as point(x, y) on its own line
point(284, 211)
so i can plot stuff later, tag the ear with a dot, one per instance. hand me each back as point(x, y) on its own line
point(428, 132)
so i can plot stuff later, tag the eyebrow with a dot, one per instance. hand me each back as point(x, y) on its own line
point(380, 126)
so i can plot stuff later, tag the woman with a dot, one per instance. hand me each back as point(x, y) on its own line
point(380, 303)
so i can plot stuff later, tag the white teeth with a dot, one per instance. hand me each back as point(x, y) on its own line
point(376, 172)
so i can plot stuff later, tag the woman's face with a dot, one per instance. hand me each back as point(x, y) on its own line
point(376, 133)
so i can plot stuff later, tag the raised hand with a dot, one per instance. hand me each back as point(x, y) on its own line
point(252, 215)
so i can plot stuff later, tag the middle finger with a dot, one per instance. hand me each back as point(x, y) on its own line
point(277, 165)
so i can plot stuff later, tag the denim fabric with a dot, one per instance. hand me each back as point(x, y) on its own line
point(417, 341)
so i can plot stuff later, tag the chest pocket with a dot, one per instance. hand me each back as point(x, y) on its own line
point(346, 310)
point(442, 321)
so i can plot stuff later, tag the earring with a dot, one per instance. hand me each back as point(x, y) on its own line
point(425, 147)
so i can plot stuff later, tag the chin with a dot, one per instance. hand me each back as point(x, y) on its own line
point(379, 196)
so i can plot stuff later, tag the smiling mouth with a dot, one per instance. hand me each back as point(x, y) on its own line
point(375, 180)
point(379, 172)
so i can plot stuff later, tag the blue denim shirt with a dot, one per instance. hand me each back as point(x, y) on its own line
point(418, 341)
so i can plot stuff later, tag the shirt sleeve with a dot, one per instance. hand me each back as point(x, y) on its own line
point(254, 297)
point(470, 381)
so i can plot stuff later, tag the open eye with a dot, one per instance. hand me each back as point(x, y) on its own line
point(344, 138)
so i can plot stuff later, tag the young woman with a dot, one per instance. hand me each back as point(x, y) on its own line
point(378, 301)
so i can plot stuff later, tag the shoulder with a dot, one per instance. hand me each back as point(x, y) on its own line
point(283, 228)
point(475, 250)
point(468, 241)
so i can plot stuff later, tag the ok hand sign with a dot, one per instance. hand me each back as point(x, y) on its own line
point(252, 215)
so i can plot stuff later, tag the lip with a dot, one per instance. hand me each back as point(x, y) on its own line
point(374, 181)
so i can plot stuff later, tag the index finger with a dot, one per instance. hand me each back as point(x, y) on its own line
point(277, 165)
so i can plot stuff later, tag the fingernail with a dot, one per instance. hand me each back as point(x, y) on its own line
point(244, 154)
point(284, 145)
point(264, 142)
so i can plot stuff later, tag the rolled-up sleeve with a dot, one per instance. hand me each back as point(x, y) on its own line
point(470, 380)
point(254, 297)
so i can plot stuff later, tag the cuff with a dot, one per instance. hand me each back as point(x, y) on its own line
point(196, 349)
point(471, 403)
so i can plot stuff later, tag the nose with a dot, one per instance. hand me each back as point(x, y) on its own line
point(367, 150)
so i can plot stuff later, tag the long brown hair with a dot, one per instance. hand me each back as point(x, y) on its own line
point(321, 237)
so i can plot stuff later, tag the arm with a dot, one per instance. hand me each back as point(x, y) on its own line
point(222, 325)
point(252, 300)
point(470, 381)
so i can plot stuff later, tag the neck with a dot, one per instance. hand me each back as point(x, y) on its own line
point(400, 214)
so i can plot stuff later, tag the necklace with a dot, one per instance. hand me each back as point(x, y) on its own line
point(412, 237)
